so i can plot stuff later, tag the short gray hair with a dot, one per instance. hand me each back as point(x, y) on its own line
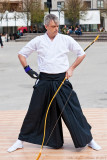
point(51, 17)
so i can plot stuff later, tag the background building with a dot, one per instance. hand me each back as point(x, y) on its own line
point(93, 5)
point(11, 16)
point(13, 5)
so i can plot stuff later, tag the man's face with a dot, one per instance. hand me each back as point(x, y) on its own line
point(52, 29)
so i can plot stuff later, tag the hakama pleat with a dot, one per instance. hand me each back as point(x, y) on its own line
point(33, 125)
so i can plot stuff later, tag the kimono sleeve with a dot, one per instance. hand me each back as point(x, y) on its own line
point(75, 47)
point(29, 47)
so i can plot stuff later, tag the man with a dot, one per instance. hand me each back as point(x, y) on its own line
point(1, 41)
point(52, 49)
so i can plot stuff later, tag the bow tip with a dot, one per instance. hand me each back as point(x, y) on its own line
point(96, 37)
point(38, 156)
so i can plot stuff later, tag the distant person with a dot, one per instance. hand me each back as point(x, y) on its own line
point(18, 34)
point(1, 42)
point(34, 29)
point(24, 31)
point(30, 31)
point(78, 30)
point(64, 30)
point(70, 30)
point(15, 36)
point(21, 33)
point(102, 30)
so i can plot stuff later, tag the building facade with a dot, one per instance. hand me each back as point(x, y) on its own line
point(93, 5)
point(11, 5)
point(7, 8)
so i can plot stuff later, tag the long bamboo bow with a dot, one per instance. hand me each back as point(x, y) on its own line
point(62, 109)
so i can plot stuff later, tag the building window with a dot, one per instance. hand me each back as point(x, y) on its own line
point(100, 3)
point(88, 4)
point(61, 3)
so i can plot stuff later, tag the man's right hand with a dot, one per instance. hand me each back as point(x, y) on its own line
point(30, 72)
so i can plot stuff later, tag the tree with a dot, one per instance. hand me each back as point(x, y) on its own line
point(72, 10)
point(5, 6)
point(34, 11)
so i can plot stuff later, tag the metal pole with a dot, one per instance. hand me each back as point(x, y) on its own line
point(7, 25)
point(59, 10)
point(92, 4)
point(59, 21)
point(27, 17)
point(15, 22)
point(49, 10)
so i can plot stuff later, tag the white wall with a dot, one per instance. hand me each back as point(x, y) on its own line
point(105, 23)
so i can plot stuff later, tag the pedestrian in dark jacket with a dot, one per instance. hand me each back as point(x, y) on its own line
point(1, 42)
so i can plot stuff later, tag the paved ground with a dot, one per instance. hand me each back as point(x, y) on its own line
point(89, 79)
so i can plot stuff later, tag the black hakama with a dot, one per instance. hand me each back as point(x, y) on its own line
point(33, 125)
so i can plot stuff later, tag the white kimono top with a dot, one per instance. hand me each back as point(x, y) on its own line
point(52, 54)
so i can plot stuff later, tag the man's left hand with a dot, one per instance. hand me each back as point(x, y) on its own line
point(69, 73)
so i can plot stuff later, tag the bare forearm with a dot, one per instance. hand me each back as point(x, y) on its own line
point(73, 66)
point(22, 60)
point(77, 62)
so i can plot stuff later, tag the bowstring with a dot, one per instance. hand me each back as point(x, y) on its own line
point(59, 117)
